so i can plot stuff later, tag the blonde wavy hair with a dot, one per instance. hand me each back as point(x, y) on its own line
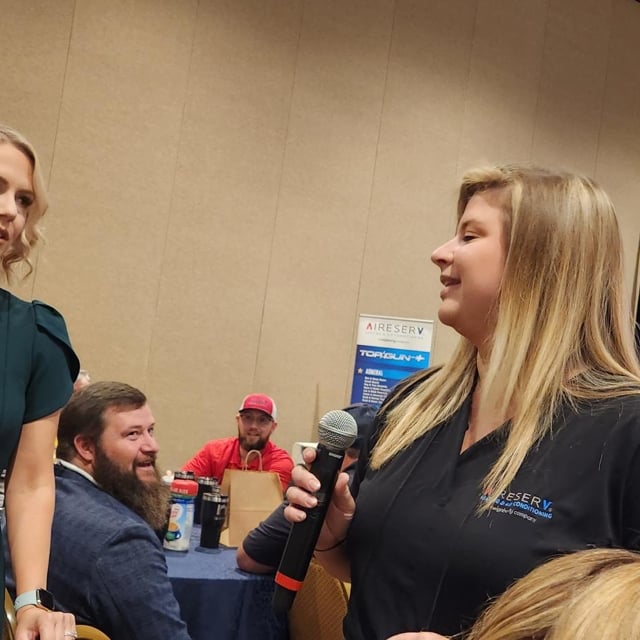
point(31, 234)
point(590, 595)
point(564, 328)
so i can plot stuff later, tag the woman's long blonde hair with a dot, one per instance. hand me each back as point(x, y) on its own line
point(564, 328)
point(31, 234)
point(590, 595)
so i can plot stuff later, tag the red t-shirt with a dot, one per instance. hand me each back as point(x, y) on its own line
point(218, 455)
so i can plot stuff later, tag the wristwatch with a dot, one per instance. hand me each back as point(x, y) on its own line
point(38, 597)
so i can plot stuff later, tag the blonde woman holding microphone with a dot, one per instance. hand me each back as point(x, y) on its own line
point(525, 445)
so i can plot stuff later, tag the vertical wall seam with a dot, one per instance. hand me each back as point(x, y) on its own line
point(276, 210)
point(374, 169)
point(465, 91)
point(541, 73)
point(154, 321)
point(34, 276)
point(604, 91)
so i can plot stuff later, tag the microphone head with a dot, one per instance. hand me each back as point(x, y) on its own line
point(337, 430)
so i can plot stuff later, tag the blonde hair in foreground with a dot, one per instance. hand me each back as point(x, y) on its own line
point(589, 595)
point(31, 233)
point(564, 328)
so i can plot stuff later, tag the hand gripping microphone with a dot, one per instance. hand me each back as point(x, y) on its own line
point(336, 432)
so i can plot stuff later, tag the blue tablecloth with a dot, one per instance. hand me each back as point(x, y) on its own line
point(220, 602)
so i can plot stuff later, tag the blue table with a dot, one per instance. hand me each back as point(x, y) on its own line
point(220, 602)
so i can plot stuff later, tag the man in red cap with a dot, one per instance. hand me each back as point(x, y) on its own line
point(256, 421)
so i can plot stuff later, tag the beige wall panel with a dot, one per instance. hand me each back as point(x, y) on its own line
point(412, 207)
point(499, 104)
point(33, 50)
point(618, 162)
point(34, 45)
point(306, 343)
point(572, 84)
point(223, 210)
point(233, 181)
point(504, 79)
point(112, 178)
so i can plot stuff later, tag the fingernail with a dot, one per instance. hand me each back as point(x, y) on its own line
point(315, 485)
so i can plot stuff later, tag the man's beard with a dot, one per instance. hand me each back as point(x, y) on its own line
point(258, 445)
point(150, 500)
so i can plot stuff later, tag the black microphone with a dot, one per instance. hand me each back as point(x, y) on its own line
point(336, 432)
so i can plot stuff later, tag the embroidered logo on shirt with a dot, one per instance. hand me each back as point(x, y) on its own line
point(522, 504)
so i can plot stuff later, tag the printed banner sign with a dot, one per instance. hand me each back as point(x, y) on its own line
point(388, 350)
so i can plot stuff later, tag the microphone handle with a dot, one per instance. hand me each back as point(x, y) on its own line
point(303, 536)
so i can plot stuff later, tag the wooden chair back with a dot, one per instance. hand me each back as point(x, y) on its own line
point(9, 624)
point(319, 607)
point(85, 632)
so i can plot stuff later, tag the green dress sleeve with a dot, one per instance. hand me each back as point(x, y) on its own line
point(37, 367)
point(55, 365)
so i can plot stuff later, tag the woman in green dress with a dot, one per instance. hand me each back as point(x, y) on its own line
point(36, 380)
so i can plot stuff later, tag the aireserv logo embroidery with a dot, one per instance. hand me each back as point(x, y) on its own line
point(522, 504)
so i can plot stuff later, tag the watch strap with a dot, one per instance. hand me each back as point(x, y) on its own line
point(37, 597)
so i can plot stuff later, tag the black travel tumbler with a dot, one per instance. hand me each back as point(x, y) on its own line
point(205, 485)
point(212, 515)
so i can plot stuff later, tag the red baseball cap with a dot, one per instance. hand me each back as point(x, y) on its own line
point(261, 402)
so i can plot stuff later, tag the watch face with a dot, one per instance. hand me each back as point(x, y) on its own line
point(45, 598)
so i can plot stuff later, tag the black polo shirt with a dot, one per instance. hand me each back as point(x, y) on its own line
point(423, 559)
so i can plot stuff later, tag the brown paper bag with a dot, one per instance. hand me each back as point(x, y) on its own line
point(253, 495)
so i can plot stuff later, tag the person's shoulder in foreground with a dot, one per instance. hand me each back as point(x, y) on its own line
point(107, 565)
point(592, 594)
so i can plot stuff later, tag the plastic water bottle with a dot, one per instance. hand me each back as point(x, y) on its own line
point(183, 493)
